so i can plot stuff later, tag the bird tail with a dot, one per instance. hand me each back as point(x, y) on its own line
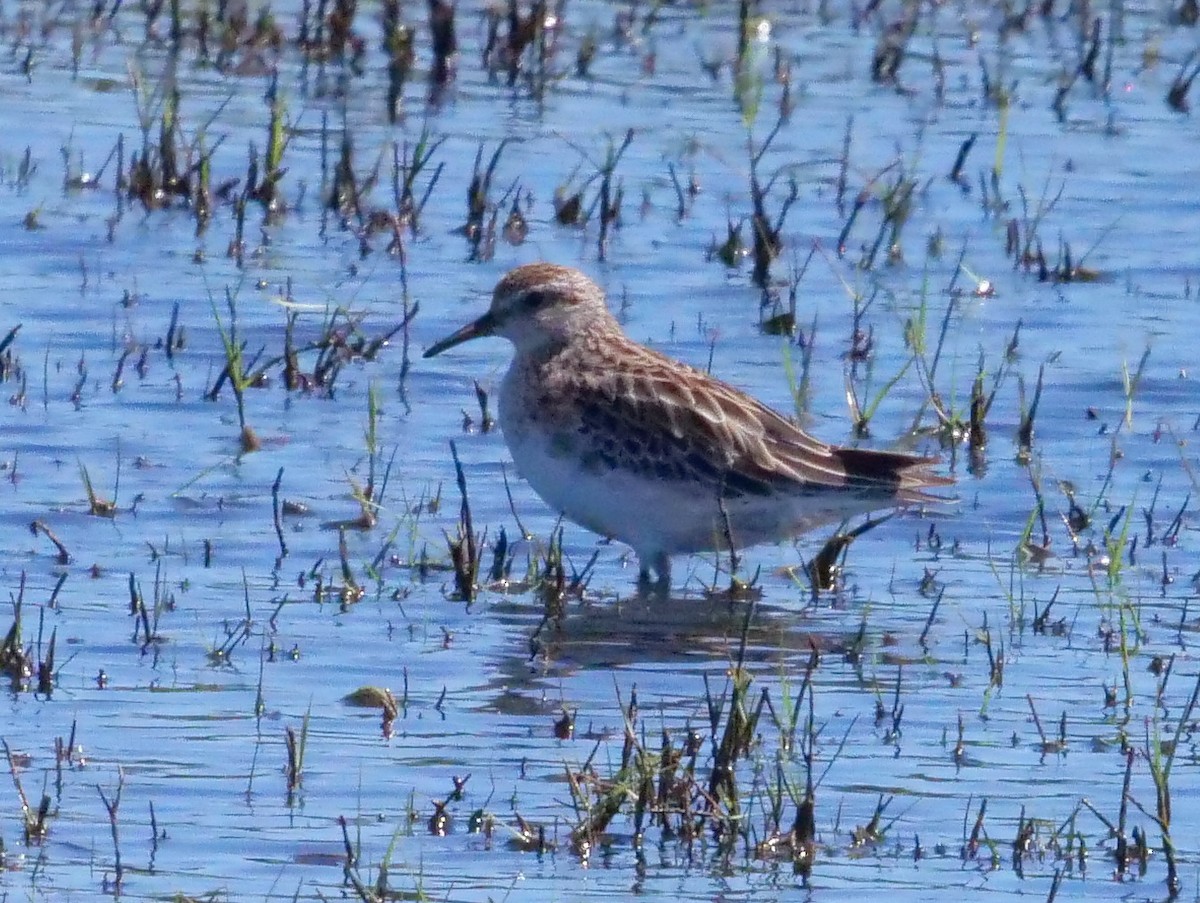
point(909, 477)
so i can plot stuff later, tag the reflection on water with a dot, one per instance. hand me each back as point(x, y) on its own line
point(973, 684)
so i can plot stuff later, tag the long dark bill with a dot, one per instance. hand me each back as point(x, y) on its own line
point(484, 326)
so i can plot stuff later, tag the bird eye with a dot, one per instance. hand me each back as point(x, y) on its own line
point(534, 299)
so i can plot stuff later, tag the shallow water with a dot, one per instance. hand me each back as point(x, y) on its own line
point(201, 738)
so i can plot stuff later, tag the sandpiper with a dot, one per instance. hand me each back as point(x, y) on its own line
point(644, 449)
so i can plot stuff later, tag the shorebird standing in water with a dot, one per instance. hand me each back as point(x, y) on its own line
point(644, 449)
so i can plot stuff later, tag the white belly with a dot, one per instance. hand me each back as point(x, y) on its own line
point(650, 515)
point(645, 514)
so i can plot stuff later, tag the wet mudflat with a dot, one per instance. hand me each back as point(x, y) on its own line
point(242, 665)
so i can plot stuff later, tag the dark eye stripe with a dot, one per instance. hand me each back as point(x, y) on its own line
point(534, 299)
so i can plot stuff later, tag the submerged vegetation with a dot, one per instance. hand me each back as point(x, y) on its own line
point(237, 514)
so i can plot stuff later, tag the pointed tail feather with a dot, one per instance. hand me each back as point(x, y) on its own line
point(908, 477)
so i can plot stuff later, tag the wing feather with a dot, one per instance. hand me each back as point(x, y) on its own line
point(659, 418)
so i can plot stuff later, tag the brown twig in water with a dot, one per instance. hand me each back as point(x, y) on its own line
point(36, 823)
point(63, 556)
point(275, 510)
point(464, 550)
point(296, 746)
point(113, 806)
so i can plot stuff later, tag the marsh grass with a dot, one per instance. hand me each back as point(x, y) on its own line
point(767, 230)
point(398, 42)
point(480, 227)
point(606, 205)
point(1160, 757)
point(296, 743)
point(719, 787)
point(369, 496)
point(237, 371)
point(380, 889)
point(112, 806)
point(465, 545)
point(36, 821)
point(1177, 94)
point(98, 506)
point(728, 777)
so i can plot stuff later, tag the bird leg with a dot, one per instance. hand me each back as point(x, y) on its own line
point(660, 566)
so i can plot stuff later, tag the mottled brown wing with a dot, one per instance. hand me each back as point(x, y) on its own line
point(659, 418)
